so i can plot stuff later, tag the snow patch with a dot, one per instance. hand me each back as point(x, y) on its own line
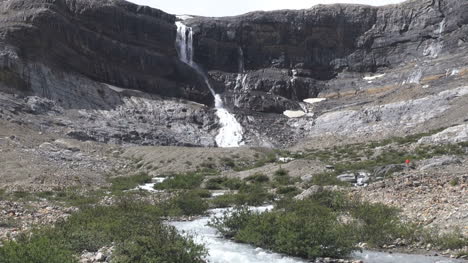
point(294, 114)
point(374, 77)
point(314, 100)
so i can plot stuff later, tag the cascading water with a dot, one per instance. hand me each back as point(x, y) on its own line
point(231, 132)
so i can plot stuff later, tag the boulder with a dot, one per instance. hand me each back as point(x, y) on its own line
point(438, 161)
point(456, 134)
point(363, 178)
point(311, 191)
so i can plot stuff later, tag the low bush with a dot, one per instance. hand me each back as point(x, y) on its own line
point(133, 227)
point(253, 195)
point(326, 224)
point(325, 179)
point(378, 224)
point(288, 190)
point(450, 240)
point(182, 181)
point(226, 200)
point(124, 183)
point(224, 183)
point(281, 172)
point(187, 203)
point(307, 231)
point(203, 193)
point(257, 178)
point(35, 249)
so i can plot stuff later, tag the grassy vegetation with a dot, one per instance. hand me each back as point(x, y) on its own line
point(187, 203)
point(224, 183)
point(314, 227)
point(444, 240)
point(261, 159)
point(133, 227)
point(303, 228)
point(288, 191)
point(124, 183)
point(251, 194)
point(257, 178)
point(324, 179)
point(190, 180)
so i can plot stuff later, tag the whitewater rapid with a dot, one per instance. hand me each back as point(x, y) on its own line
point(221, 250)
point(231, 133)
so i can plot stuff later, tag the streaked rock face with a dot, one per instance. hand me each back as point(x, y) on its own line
point(292, 54)
point(356, 71)
point(49, 46)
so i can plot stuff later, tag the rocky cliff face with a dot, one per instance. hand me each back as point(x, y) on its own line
point(47, 44)
point(95, 60)
point(293, 54)
point(112, 69)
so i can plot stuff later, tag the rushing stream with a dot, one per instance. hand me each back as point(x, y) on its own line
point(230, 134)
point(225, 251)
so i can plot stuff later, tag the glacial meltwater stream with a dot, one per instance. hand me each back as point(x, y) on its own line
point(221, 250)
point(231, 132)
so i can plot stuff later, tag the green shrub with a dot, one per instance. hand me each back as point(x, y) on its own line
point(281, 178)
point(129, 182)
point(257, 178)
point(378, 224)
point(220, 183)
point(35, 249)
point(288, 190)
point(203, 193)
point(454, 181)
point(181, 181)
point(231, 222)
point(253, 195)
point(188, 203)
point(335, 200)
point(314, 227)
point(228, 162)
point(159, 244)
point(134, 227)
point(325, 179)
point(226, 200)
point(281, 172)
point(451, 240)
point(307, 231)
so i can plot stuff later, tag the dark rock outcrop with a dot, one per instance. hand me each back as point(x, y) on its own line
point(45, 44)
point(307, 48)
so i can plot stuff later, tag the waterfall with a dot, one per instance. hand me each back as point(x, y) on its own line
point(230, 134)
point(240, 80)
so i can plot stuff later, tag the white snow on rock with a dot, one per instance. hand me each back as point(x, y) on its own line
point(294, 114)
point(374, 77)
point(314, 100)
